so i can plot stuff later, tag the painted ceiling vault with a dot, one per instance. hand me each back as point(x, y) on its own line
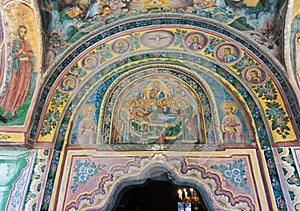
point(98, 95)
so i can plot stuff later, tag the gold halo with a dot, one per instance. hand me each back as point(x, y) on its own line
point(227, 46)
point(119, 41)
point(67, 79)
point(84, 110)
point(89, 58)
point(297, 42)
point(154, 82)
point(256, 69)
point(136, 112)
point(228, 103)
point(195, 35)
point(209, 4)
point(297, 207)
point(185, 100)
point(164, 101)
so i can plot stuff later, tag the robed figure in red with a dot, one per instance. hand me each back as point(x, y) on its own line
point(22, 63)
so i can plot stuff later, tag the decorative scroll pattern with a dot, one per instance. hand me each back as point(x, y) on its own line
point(291, 174)
point(100, 198)
point(38, 176)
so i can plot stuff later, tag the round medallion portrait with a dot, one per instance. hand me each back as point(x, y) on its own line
point(228, 53)
point(120, 46)
point(196, 41)
point(90, 62)
point(255, 75)
point(68, 84)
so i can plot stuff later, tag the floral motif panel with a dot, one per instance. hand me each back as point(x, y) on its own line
point(93, 181)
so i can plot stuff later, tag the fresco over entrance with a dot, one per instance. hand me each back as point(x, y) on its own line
point(158, 110)
point(65, 22)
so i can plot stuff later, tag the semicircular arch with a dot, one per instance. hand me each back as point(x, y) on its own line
point(268, 102)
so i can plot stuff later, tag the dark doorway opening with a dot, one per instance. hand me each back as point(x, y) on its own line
point(156, 196)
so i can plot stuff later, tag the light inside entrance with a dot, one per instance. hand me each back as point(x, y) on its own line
point(160, 196)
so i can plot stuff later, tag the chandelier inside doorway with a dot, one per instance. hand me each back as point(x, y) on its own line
point(188, 200)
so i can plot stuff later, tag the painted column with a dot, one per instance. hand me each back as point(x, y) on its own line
point(11, 164)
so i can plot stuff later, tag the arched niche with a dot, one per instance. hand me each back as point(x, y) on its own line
point(206, 95)
point(157, 109)
point(56, 117)
point(156, 194)
point(164, 180)
point(234, 75)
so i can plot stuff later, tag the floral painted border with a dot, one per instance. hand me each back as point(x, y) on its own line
point(275, 181)
point(18, 193)
point(291, 174)
point(83, 171)
point(37, 177)
point(234, 172)
point(176, 167)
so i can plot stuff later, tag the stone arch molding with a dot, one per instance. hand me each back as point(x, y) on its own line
point(209, 184)
point(97, 59)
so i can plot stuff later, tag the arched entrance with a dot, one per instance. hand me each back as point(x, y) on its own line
point(86, 173)
point(160, 196)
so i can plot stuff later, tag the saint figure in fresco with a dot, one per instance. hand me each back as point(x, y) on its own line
point(254, 76)
point(161, 136)
point(90, 62)
point(124, 123)
point(228, 54)
point(144, 133)
point(195, 43)
point(156, 91)
point(232, 126)
point(105, 10)
point(23, 60)
point(68, 84)
point(87, 127)
point(120, 46)
point(188, 121)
